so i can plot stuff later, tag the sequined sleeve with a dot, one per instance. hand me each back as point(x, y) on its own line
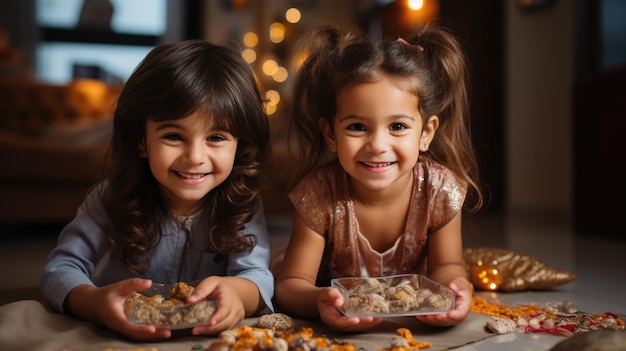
point(447, 194)
point(311, 198)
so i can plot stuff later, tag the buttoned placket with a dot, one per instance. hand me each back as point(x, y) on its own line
point(186, 222)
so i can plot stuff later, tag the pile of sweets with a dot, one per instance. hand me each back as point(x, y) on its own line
point(285, 339)
point(559, 319)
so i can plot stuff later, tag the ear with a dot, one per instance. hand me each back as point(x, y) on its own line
point(142, 149)
point(329, 136)
point(428, 132)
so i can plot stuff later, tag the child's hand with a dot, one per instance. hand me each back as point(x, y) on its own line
point(230, 309)
point(462, 306)
point(328, 302)
point(105, 305)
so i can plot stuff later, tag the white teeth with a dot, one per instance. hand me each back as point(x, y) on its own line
point(377, 164)
point(191, 175)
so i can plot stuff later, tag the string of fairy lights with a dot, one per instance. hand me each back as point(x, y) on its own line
point(270, 67)
point(273, 69)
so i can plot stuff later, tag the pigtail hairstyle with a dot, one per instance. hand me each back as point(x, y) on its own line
point(172, 82)
point(441, 67)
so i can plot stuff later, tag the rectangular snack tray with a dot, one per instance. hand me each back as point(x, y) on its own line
point(181, 316)
point(393, 296)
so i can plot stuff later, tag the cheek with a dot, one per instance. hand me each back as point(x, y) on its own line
point(225, 158)
point(348, 148)
point(160, 158)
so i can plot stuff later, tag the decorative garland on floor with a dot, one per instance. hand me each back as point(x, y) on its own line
point(560, 319)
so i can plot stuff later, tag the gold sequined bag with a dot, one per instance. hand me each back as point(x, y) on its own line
point(500, 269)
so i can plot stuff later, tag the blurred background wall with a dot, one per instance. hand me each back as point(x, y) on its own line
point(547, 81)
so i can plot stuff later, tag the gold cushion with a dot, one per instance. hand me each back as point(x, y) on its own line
point(500, 269)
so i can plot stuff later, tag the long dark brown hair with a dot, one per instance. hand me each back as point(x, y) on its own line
point(173, 81)
point(431, 65)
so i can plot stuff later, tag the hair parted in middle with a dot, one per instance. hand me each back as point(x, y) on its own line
point(172, 82)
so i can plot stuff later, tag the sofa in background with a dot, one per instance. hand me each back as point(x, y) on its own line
point(52, 142)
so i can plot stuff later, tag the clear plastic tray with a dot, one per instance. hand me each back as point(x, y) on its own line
point(146, 308)
point(392, 296)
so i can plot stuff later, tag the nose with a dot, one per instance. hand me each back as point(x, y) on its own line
point(195, 152)
point(378, 141)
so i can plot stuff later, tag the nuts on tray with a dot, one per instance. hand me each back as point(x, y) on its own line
point(398, 295)
point(163, 305)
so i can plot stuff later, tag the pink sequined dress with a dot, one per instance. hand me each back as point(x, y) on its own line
point(323, 199)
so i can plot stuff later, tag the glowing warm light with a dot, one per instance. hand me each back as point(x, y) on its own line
point(270, 109)
point(277, 32)
point(250, 39)
point(299, 59)
point(273, 97)
point(293, 15)
point(280, 75)
point(415, 5)
point(485, 278)
point(270, 67)
point(249, 55)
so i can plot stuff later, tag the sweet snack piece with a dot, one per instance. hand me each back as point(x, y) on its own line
point(282, 324)
point(366, 304)
point(405, 341)
point(404, 294)
point(181, 291)
point(501, 325)
point(368, 286)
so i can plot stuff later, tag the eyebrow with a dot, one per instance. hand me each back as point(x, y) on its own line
point(392, 117)
point(168, 125)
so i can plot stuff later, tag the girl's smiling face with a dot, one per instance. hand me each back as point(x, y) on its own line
point(378, 133)
point(188, 160)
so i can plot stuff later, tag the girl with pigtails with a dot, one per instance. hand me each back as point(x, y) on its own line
point(386, 169)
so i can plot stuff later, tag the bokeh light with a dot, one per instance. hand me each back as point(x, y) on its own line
point(277, 32)
point(293, 15)
point(250, 39)
point(415, 5)
point(280, 74)
point(269, 67)
point(249, 55)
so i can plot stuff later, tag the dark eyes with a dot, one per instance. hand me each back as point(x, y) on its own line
point(216, 138)
point(358, 127)
point(173, 137)
point(211, 138)
point(398, 126)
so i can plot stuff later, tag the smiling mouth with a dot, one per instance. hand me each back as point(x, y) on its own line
point(191, 175)
point(370, 164)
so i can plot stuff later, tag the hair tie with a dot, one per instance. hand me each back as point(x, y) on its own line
point(406, 43)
